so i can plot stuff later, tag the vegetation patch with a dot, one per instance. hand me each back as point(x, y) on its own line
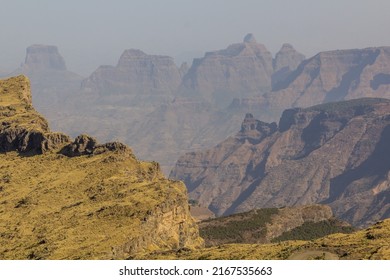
point(247, 227)
point(312, 230)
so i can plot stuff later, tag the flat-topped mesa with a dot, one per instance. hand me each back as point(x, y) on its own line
point(136, 74)
point(43, 57)
point(131, 56)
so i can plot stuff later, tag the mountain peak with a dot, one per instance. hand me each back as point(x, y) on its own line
point(250, 38)
point(44, 57)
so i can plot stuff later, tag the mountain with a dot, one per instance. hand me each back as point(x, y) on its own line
point(64, 199)
point(137, 79)
point(242, 69)
point(334, 76)
point(43, 57)
point(204, 111)
point(51, 82)
point(334, 154)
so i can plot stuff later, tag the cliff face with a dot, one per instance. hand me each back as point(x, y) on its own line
point(241, 69)
point(335, 76)
point(145, 78)
point(80, 200)
point(286, 61)
point(332, 154)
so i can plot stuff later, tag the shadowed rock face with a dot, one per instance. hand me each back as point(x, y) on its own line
point(332, 153)
point(286, 60)
point(334, 76)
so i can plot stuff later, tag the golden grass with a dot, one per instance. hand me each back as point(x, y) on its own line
point(85, 207)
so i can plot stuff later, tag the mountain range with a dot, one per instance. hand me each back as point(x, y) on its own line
point(315, 132)
point(78, 199)
point(334, 154)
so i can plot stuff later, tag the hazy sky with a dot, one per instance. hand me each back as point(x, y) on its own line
point(89, 33)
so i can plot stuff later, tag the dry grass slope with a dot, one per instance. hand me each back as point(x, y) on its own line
point(93, 206)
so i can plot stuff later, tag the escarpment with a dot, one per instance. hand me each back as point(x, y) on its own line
point(63, 199)
point(334, 154)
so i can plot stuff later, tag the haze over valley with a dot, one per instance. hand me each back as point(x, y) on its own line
point(221, 142)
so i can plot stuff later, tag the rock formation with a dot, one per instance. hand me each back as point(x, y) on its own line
point(43, 57)
point(286, 61)
point(80, 200)
point(333, 154)
point(55, 88)
point(240, 69)
point(140, 77)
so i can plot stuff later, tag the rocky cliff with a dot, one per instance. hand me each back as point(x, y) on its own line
point(285, 61)
point(39, 57)
point(333, 154)
point(240, 69)
point(53, 85)
point(63, 199)
point(138, 76)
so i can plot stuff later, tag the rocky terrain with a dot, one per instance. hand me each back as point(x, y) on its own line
point(334, 154)
point(64, 199)
point(163, 110)
point(334, 76)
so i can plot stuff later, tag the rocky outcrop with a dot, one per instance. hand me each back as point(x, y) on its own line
point(22, 128)
point(334, 76)
point(332, 154)
point(43, 57)
point(285, 61)
point(80, 200)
